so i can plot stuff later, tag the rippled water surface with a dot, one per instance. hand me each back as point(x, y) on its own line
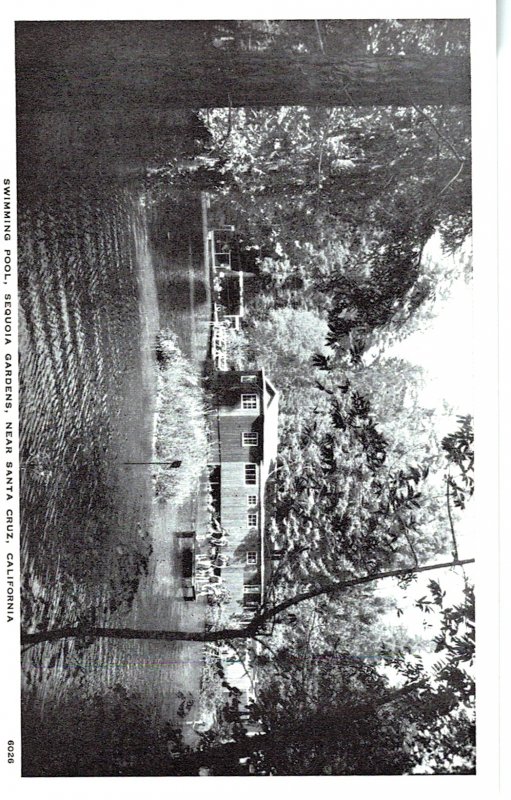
point(94, 289)
point(86, 381)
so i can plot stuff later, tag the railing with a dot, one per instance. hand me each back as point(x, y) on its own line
point(220, 247)
point(219, 347)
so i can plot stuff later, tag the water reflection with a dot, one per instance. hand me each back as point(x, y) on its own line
point(86, 390)
point(94, 289)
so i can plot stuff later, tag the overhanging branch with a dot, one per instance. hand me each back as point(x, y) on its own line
point(226, 634)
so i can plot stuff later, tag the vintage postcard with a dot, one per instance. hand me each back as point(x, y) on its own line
point(242, 364)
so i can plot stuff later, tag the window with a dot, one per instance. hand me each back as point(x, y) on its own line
point(248, 378)
point(250, 474)
point(250, 439)
point(249, 401)
point(251, 596)
point(252, 557)
point(251, 499)
point(252, 519)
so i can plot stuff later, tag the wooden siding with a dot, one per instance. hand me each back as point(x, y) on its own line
point(227, 424)
point(233, 512)
point(228, 388)
point(214, 438)
point(231, 429)
point(236, 409)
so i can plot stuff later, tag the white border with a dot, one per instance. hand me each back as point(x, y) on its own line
point(486, 352)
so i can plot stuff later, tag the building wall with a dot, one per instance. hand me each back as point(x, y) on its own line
point(234, 510)
point(229, 386)
point(227, 450)
point(230, 420)
point(241, 538)
point(231, 430)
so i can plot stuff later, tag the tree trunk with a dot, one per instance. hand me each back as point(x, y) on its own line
point(66, 68)
point(226, 634)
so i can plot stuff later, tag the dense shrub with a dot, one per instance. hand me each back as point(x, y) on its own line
point(181, 428)
point(104, 733)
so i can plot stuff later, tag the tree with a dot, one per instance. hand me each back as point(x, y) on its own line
point(347, 736)
point(284, 341)
point(395, 172)
point(445, 712)
point(258, 623)
point(129, 65)
point(345, 201)
point(336, 714)
point(326, 711)
point(360, 484)
point(321, 720)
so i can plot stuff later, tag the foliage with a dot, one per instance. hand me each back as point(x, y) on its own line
point(354, 36)
point(459, 449)
point(444, 712)
point(181, 434)
point(325, 711)
point(359, 486)
point(340, 203)
point(104, 733)
point(297, 169)
point(284, 341)
point(331, 680)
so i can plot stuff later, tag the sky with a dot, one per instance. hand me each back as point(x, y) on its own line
point(444, 349)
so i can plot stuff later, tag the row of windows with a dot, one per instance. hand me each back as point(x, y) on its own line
point(250, 480)
point(249, 401)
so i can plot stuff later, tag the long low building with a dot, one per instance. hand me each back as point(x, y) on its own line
point(244, 435)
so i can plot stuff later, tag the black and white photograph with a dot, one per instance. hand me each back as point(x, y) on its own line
point(239, 408)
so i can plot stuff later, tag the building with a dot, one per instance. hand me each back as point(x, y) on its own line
point(243, 454)
point(228, 283)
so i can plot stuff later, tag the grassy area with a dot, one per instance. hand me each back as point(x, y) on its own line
point(181, 428)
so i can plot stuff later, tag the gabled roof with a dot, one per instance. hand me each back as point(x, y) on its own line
point(270, 426)
point(270, 445)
